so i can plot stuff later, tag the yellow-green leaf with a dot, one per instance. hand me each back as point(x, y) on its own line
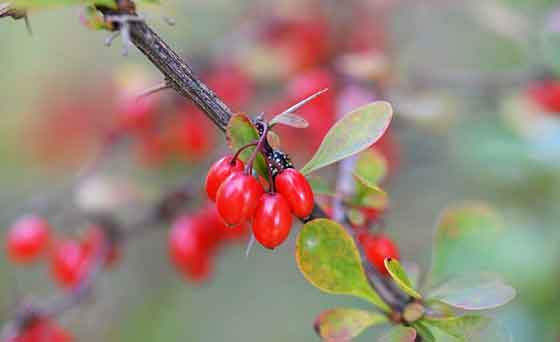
point(399, 276)
point(399, 333)
point(328, 258)
point(352, 134)
point(343, 324)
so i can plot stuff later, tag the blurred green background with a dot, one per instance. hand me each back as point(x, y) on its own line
point(456, 64)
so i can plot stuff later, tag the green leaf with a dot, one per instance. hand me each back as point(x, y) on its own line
point(474, 292)
point(470, 229)
point(353, 133)
point(371, 166)
point(462, 328)
point(399, 276)
point(344, 324)
point(425, 331)
point(328, 258)
point(241, 131)
point(399, 333)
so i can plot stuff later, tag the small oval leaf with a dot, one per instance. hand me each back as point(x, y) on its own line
point(289, 119)
point(371, 166)
point(328, 258)
point(462, 328)
point(344, 324)
point(241, 131)
point(353, 133)
point(474, 292)
point(401, 279)
point(399, 333)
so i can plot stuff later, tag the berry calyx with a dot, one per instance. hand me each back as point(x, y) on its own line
point(377, 248)
point(294, 187)
point(272, 221)
point(221, 170)
point(69, 263)
point(237, 198)
point(28, 239)
point(189, 248)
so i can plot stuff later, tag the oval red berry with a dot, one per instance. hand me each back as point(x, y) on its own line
point(221, 170)
point(297, 191)
point(272, 221)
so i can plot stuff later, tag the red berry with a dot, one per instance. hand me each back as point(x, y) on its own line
point(238, 198)
point(221, 231)
point(42, 330)
point(546, 94)
point(27, 239)
point(272, 221)
point(294, 187)
point(69, 263)
point(377, 249)
point(221, 170)
point(189, 248)
point(136, 114)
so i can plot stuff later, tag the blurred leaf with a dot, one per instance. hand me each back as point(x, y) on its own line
point(30, 4)
point(289, 119)
point(371, 166)
point(344, 324)
point(399, 276)
point(462, 328)
point(425, 331)
point(399, 334)
point(328, 258)
point(353, 133)
point(241, 131)
point(320, 186)
point(413, 271)
point(474, 292)
point(468, 229)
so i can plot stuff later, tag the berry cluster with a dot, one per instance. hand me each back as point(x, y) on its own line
point(30, 239)
point(195, 238)
point(241, 197)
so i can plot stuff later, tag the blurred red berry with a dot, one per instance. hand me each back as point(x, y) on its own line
point(272, 221)
point(43, 330)
point(231, 84)
point(189, 248)
point(69, 263)
point(191, 136)
point(238, 197)
point(222, 231)
point(219, 171)
point(377, 249)
point(546, 94)
point(135, 114)
point(291, 184)
point(27, 239)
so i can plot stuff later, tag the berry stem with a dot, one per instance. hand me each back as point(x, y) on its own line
point(258, 149)
point(241, 149)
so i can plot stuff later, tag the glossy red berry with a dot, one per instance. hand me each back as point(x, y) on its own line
point(546, 94)
point(377, 249)
point(42, 330)
point(291, 184)
point(27, 239)
point(238, 198)
point(272, 220)
point(69, 263)
point(218, 173)
point(189, 248)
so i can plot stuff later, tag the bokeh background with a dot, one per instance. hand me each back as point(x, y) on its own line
point(468, 127)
